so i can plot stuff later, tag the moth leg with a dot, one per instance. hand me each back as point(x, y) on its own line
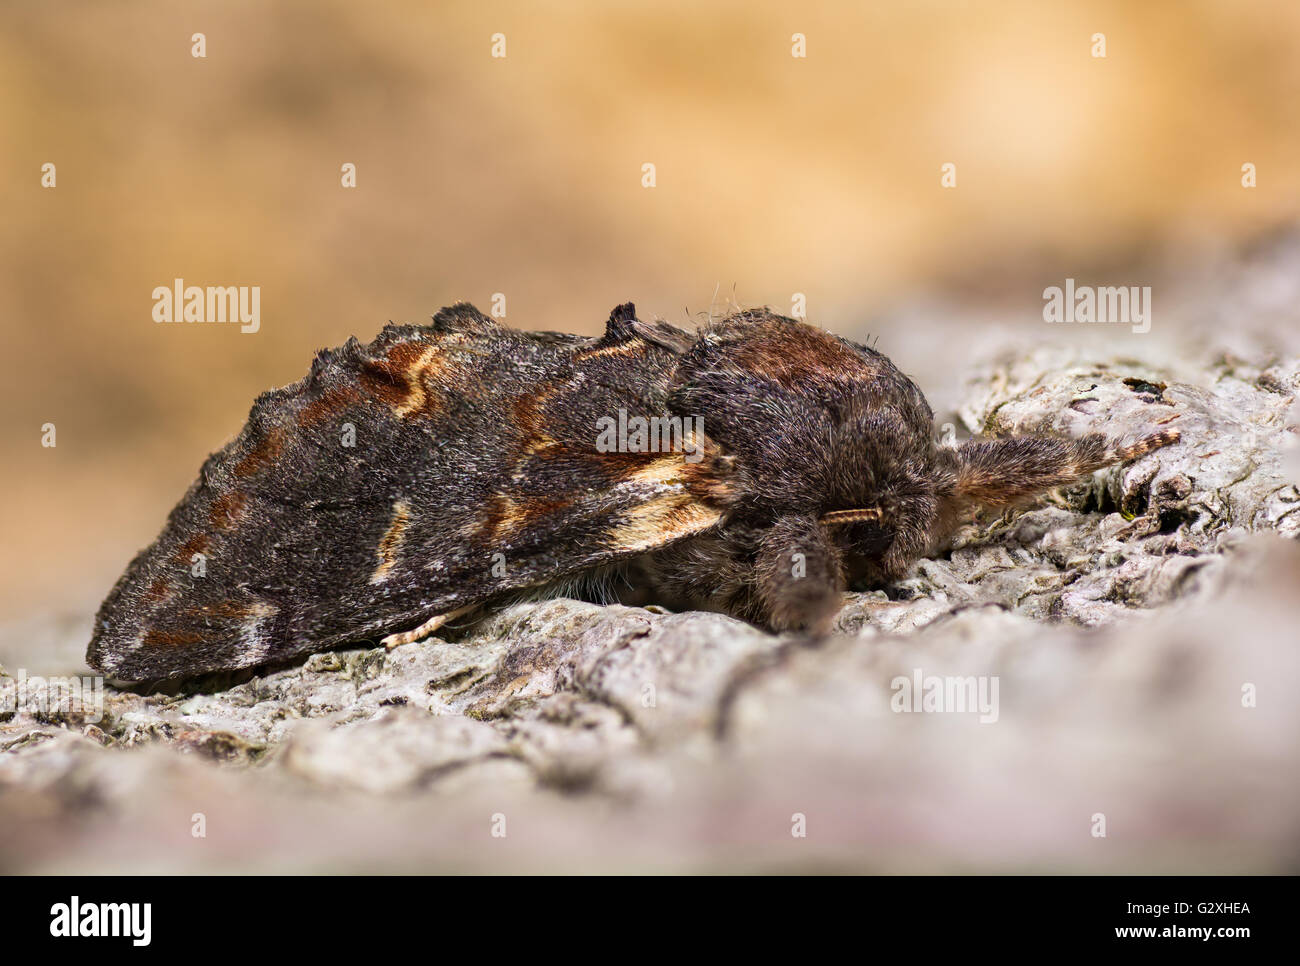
point(425, 629)
point(705, 572)
point(787, 576)
point(913, 518)
point(799, 576)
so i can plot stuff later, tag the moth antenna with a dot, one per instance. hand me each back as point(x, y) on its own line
point(840, 517)
point(1007, 471)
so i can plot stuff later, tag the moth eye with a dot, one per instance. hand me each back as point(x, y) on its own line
point(867, 539)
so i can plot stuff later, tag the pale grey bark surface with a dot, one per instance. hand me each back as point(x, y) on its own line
point(1126, 622)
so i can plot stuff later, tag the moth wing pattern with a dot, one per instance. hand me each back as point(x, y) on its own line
point(431, 470)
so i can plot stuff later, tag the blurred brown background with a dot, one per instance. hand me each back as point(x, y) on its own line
point(522, 175)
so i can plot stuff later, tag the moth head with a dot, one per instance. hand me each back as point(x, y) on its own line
point(862, 536)
point(821, 430)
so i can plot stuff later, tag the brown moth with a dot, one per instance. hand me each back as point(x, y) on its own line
point(756, 467)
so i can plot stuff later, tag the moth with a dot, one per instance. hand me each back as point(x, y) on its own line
point(761, 466)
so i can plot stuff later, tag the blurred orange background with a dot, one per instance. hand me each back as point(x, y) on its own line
point(523, 175)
